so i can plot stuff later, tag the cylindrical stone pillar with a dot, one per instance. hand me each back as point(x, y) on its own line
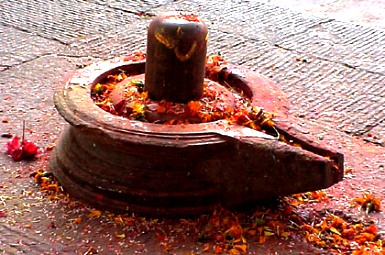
point(176, 57)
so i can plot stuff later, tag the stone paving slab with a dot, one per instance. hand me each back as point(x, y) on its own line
point(19, 47)
point(354, 45)
point(120, 41)
point(64, 21)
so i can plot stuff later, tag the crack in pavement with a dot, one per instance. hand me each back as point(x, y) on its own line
point(33, 33)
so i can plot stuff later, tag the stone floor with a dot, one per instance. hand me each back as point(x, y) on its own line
point(325, 55)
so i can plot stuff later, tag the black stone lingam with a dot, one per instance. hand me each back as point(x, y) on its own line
point(180, 170)
point(176, 57)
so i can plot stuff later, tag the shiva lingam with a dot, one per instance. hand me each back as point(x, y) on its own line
point(175, 132)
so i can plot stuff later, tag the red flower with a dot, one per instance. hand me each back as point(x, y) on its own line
point(23, 150)
point(29, 149)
